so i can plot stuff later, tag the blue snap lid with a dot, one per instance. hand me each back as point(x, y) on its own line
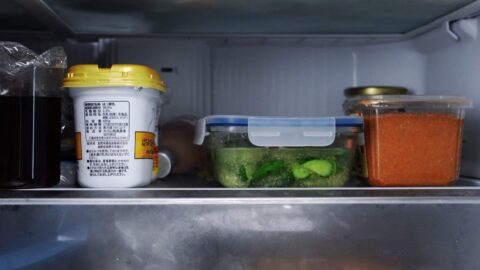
point(226, 120)
point(239, 120)
point(281, 131)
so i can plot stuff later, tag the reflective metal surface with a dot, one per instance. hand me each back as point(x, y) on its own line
point(216, 228)
point(239, 236)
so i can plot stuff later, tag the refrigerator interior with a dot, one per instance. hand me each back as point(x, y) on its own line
point(260, 58)
point(275, 73)
point(429, 46)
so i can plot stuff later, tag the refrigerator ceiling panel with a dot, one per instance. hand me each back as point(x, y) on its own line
point(250, 17)
point(14, 17)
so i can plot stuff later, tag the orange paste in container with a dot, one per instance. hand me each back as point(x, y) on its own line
point(413, 149)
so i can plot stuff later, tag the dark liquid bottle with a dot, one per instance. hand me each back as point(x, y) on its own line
point(29, 141)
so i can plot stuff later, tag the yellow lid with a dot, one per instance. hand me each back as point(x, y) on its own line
point(117, 75)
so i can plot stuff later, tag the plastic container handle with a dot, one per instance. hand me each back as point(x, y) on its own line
point(291, 132)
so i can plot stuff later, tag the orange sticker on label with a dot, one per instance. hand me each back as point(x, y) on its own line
point(78, 145)
point(144, 145)
point(155, 162)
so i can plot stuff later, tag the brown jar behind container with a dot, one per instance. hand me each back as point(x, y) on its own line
point(360, 167)
point(176, 144)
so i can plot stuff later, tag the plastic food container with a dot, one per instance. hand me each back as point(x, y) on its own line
point(116, 116)
point(360, 163)
point(412, 140)
point(280, 152)
point(30, 116)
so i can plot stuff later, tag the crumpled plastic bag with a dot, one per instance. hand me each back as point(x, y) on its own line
point(14, 57)
point(23, 72)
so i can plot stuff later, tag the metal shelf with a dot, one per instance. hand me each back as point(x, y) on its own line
point(173, 225)
point(191, 190)
point(163, 227)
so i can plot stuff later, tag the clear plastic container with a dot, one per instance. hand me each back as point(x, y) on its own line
point(30, 114)
point(280, 152)
point(360, 163)
point(412, 140)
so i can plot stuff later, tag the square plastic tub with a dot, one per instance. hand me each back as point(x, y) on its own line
point(412, 140)
point(280, 152)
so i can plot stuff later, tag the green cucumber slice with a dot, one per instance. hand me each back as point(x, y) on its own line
point(300, 172)
point(268, 169)
point(321, 167)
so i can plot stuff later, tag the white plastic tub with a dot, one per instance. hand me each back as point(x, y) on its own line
point(116, 125)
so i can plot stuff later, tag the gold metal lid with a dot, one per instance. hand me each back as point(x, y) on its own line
point(375, 91)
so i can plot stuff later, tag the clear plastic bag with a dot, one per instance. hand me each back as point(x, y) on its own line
point(25, 73)
point(30, 114)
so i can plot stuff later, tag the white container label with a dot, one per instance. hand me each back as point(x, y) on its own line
point(107, 125)
point(116, 135)
point(107, 120)
point(108, 158)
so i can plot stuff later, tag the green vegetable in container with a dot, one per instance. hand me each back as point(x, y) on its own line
point(282, 167)
point(299, 172)
point(271, 174)
point(321, 167)
point(268, 168)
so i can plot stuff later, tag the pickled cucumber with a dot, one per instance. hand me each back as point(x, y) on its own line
point(299, 172)
point(321, 167)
